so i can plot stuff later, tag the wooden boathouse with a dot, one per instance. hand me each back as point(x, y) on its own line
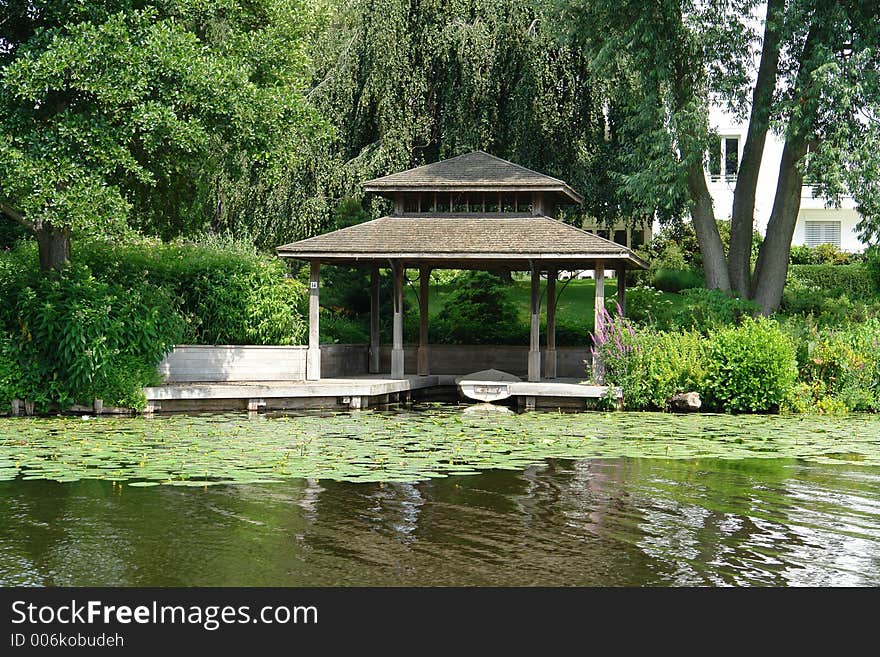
point(474, 211)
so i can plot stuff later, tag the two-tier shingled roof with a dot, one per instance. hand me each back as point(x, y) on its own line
point(474, 211)
point(467, 240)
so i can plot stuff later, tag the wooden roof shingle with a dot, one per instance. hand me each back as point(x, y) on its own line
point(461, 239)
point(472, 172)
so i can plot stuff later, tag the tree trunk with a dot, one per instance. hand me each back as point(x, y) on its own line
point(54, 247)
point(703, 216)
point(742, 224)
point(772, 266)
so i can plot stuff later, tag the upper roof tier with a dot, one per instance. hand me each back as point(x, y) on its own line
point(473, 172)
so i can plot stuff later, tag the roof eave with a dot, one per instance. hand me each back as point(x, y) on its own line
point(627, 257)
point(386, 188)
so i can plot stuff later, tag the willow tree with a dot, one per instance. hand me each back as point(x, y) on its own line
point(808, 69)
point(405, 83)
point(127, 112)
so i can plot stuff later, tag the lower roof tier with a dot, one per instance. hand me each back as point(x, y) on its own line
point(463, 242)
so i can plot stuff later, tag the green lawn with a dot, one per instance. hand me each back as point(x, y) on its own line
point(575, 305)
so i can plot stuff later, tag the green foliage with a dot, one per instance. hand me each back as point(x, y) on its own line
point(747, 368)
point(157, 107)
point(839, 367)
point(676, 280)
point(708, 309)
point(696, 308)
point(407, 83)
point(651, 366)
point(75, 339)
point(823, 254)
point(833, 280)
point(674, 247)
point(226, 291)
point(100, 328)
point(872, 264)
point(804, 255)
point(478, 311)
point(340, 327)
point(751, 367)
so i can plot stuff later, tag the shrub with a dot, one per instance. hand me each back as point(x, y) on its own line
point(750, 368)
point(226, 292)
point(676, 280)
point(99, 328)
point(823, 254)
point(829, 254)
point(650, 367)
point(478, 311)
point(339, 327)
point(803, 255)
point(79, 339)
point(11, 376)
point(840, 365)
point(709, 309)
point(852, 280)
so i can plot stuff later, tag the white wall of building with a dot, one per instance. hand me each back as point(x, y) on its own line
point(813, 208)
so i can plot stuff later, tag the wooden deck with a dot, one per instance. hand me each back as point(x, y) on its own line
point(356, 392)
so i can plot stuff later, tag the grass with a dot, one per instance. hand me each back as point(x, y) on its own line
point(574, 313)
point(575, 299)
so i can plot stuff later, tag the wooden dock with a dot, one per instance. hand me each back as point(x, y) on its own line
point(355, 392)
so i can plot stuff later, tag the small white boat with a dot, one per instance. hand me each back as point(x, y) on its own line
point(486, 385)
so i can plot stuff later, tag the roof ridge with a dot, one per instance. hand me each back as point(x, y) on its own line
point(518, 167)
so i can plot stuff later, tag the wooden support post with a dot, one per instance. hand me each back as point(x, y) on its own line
point(621, 289)
point(397, 329)
point(313, 355)
point(550, 354)
point(535, 332)
point(424, 367)
point(599, 318)
point(374, 322)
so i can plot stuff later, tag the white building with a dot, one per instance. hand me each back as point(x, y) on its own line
point(816, 223)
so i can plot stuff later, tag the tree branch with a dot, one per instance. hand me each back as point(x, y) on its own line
point(16, 217)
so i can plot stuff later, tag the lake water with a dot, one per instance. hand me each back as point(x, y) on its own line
point(439, 495)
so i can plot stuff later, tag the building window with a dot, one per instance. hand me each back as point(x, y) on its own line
point(822, 232)
point(638, 238)
point(731, 156)
point(724, 158)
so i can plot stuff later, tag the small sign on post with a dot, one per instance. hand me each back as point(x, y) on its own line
point(313, 285)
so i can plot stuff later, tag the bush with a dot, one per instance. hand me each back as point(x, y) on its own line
point(676, 280)
point(804, 255)
point(823, 254)
point(853, 280)
point(78, 339)
point(710, 309)
point(698, 308)
point(341, 328)
point(650, 367)
point(226, 292)
point(99, 328)
point(478, 311)
point(839, 367)
point(750, 368)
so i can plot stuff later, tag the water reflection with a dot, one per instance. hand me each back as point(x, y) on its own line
point(589, 522)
